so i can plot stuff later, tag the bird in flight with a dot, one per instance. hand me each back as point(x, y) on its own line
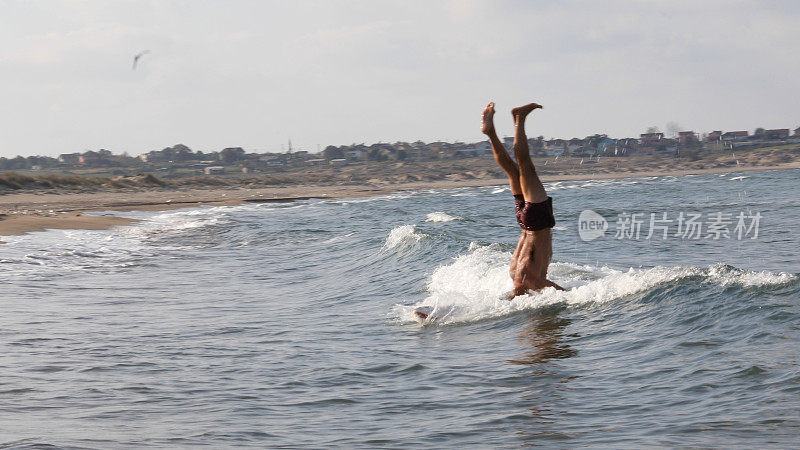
point(139, 55)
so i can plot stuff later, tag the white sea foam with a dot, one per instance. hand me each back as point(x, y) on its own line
point(724, 275)
point(402, 236)
point(339, 238)
point(439, 216)
point(181, 220)
point(376, 198)
point(474, 286)
point(588, 184)
point(59, 251)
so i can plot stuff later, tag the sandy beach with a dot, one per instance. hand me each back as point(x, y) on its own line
point(28, 211)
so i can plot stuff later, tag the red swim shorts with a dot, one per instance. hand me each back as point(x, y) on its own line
point(534, 216)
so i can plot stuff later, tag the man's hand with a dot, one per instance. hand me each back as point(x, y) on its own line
point(549, 283)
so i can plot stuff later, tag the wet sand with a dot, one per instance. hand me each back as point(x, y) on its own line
point(25, 223)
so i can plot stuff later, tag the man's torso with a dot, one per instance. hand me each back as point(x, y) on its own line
point(531, 259)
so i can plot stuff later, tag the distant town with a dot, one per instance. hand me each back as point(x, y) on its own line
point(180, 159)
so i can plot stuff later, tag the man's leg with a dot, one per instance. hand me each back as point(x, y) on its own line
point(500, 153)
point(531, 186)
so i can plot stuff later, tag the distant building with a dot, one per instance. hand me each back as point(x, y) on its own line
point(69, 158)
point(272, 161)
point(586, 150)
point(626, 146)
point(338, 162)
point(214, 170)
point(483, 148)
point(650, 139)
point(89, 158)
point(606, 145)
point(687, 137)
point(574, 145)
point(356, 153)
point(714, 136)
point(465, 152)
point(781, 133)
point(555, 147)
point(735, 136)
point(554, 151)
point(669, 145)
point(315, 162)
point(797, 131)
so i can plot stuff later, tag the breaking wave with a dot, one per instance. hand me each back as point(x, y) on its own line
point(441, 217)
point(475, 285)
point(401, 236)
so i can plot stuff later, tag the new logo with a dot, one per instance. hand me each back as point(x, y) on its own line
point(591, 225)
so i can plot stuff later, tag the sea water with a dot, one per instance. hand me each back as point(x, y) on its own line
point(275, 325)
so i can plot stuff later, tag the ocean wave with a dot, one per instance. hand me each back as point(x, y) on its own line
point(475, 286)
point(401, 236)
point(58, 252)
point(373, 198)
point(725, 275)
point(439, 216)
point(182, 220)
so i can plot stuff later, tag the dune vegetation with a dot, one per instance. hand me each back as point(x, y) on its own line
point(392, 172)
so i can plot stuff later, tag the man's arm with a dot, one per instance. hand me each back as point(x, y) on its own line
point(522, 290)
point(517, 291)
point(548, 283)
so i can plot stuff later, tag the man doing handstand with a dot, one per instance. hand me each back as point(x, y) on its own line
point(534, 209)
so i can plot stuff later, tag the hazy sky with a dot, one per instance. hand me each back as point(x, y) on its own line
point(255, 74)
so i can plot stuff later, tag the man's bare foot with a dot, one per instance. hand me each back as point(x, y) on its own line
point(487, 119)
point(522, 111)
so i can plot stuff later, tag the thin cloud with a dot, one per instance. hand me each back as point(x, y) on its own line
point(339, 72)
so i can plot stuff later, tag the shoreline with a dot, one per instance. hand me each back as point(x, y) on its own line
point(22, 213)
